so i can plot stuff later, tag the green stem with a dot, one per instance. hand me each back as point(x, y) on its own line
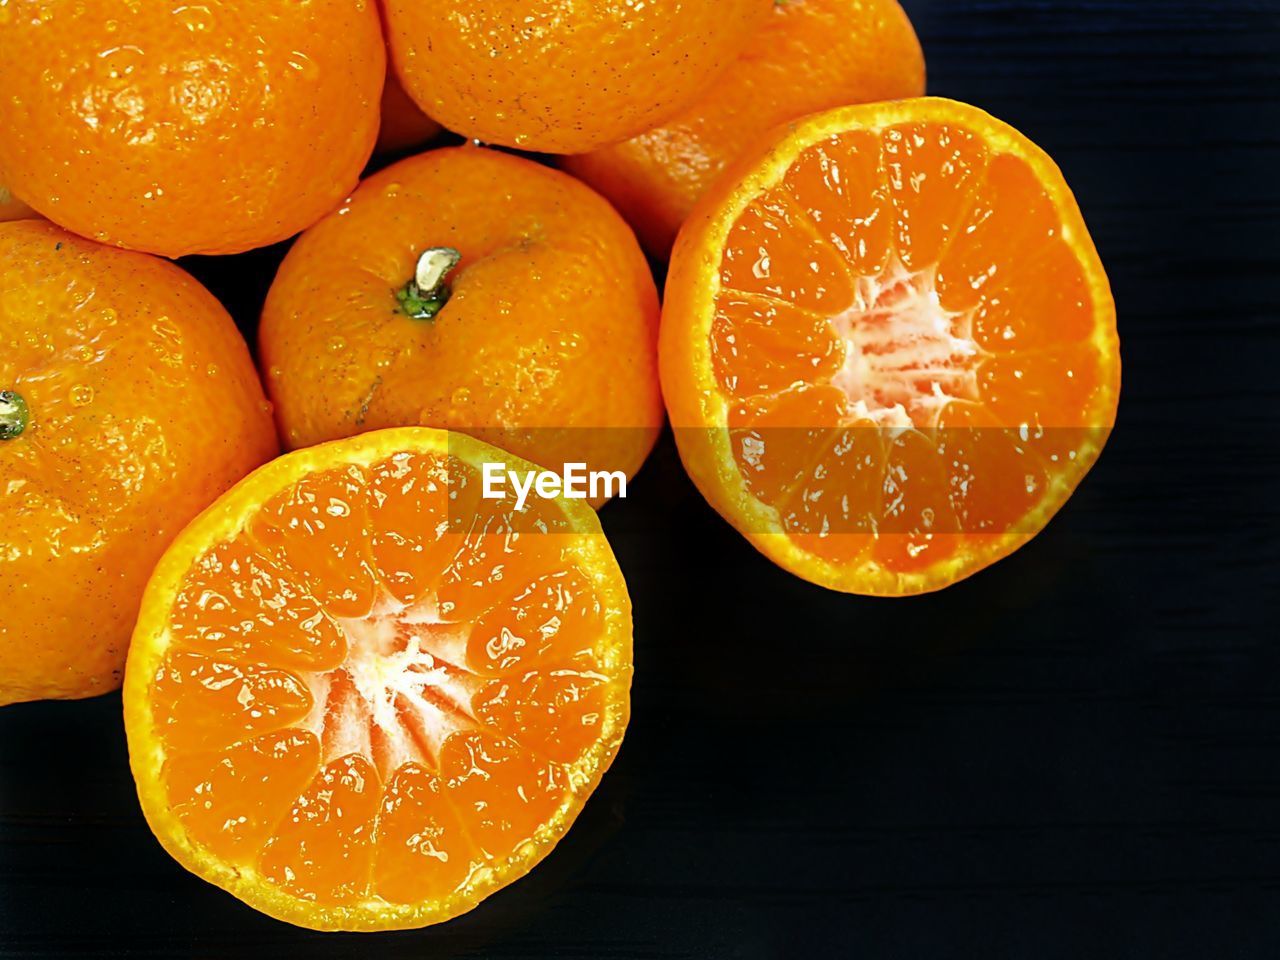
point(426, 294)
point(14, 415)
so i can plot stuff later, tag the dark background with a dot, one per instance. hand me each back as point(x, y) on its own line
point(1074, 754)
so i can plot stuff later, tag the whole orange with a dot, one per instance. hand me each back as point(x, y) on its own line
point(541, 338)
point(808, 56)
point(128, 403)
point(563, 76)
point(206, 128)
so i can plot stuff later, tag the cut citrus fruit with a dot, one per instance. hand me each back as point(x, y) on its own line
point(362, 696)
point(888, 347)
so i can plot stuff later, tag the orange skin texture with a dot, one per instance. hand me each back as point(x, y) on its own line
point(214, 129)
point(552, 324)
point(563, 76)
point(144, 407)
point(809, 55)
point(403, 124)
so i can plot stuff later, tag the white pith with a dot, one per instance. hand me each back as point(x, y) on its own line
point(402, 689)
point(906, 355)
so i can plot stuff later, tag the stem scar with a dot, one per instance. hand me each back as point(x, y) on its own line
point(423, 297)
point(14, 415)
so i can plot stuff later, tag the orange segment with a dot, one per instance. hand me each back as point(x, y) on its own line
point(238, 605)
point(320, 530)
point(209, 703)
point(776, 438)
point(323, 850)
point(772, 252)
point(834, 511)
point(762, 346)
point(842, 187)
point(422, 851)
point(999, 473)
point(1055, 388)
point(916, 518)
point(888, 345)
point(932, 168)
point(558, 711)
point(1032, 304)
point(414, 496)
point(505, 792)
point(1007, 210)
point(554, 619)
point(235, 798)
point(361, 696)
point(498, 552)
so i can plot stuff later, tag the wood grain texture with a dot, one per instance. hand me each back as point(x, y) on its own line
point(1075, 754)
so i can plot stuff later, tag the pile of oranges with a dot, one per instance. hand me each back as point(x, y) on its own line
point(359, 693)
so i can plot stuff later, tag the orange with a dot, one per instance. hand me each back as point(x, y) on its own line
point(562, 77)
point(403, 124)
point(205, 128)
point(128, 403)
point(11, 208)
point(807, 56)
point(542, 336)
point(362, 697)
point(888, 347)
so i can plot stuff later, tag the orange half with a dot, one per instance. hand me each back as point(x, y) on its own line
point(362, 696)
point(889, 347)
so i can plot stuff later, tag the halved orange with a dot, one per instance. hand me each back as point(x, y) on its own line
point(888, 346)
point(362, 696)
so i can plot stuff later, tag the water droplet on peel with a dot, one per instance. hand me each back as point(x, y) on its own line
point(461, 397)
point(307, 67)
point(211, 370)
point(81, 395)
point(337, 344)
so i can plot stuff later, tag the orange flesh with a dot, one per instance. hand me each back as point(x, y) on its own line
point(908, 345)
point(364, 699)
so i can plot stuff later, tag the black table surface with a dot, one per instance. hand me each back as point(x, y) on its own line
point(1074, 754)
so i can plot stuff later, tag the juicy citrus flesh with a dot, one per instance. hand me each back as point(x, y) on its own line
point(360, 696)
point(902, 358)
